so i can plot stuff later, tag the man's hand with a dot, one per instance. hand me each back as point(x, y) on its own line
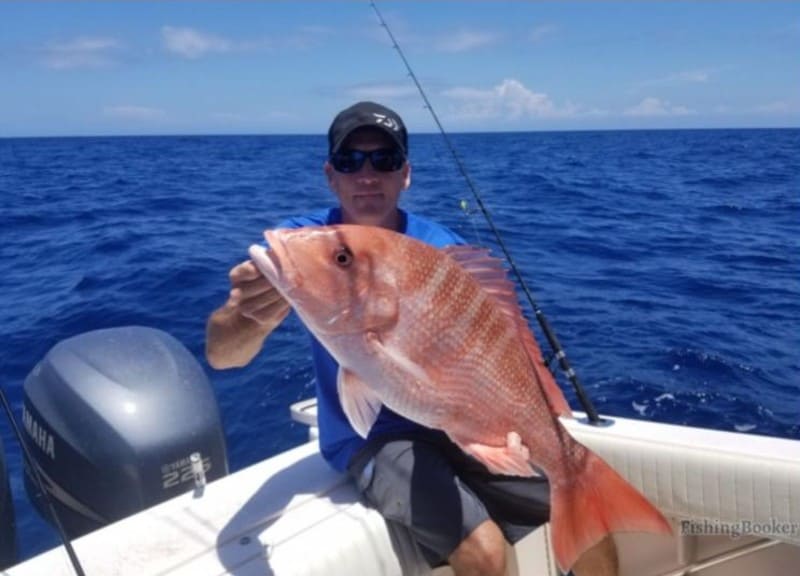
point(254, 297)
point(236, 331)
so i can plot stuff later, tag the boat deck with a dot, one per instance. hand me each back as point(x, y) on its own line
point(292, 514)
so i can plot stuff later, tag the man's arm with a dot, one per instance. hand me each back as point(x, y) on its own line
point(236, 331)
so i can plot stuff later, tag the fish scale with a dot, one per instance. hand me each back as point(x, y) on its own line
point(466, 333)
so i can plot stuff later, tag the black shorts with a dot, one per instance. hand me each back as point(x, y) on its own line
point(428, 484)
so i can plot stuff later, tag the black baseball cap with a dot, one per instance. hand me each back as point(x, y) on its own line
point(367, 114)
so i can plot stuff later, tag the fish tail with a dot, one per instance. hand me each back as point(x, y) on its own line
point(592, 503)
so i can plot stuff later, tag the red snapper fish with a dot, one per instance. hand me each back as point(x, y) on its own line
point(438, 336)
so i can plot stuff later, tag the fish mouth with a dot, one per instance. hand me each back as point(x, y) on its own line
point(268, 260)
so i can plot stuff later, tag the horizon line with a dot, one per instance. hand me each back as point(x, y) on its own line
point(411, 134)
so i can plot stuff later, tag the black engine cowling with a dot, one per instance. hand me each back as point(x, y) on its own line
point(8, 537)
point(111, 418)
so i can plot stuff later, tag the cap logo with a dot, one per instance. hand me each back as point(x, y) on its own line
point(387, 121)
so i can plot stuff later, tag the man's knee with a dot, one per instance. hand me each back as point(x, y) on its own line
point(483, 552)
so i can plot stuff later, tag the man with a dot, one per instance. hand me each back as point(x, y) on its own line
point(458, 512)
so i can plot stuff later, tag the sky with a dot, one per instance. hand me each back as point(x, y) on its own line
point(281, 67)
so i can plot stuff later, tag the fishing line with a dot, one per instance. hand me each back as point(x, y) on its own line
point(552, 339)
point(76, 565)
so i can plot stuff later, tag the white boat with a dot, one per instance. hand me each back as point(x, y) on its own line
point(733, 499)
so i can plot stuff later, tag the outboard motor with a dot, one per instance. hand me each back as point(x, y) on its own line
point(8, 533)
point(112, 418)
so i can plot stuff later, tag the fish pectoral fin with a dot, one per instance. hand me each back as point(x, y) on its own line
point(513, 459)
point(360, 403)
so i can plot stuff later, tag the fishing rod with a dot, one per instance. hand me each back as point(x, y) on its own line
point(34, 467)
point(552, 339)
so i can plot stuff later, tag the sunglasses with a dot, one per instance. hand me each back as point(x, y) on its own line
point(383, 160)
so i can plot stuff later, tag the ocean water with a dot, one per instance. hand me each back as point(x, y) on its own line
point(668, 262)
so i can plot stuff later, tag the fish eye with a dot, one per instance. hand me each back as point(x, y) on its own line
point(343, 257)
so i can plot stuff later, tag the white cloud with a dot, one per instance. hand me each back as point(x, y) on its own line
point(540, 33)
point(463, 41)
point(680, 78)
point(306, 37)
point(191, 43)
point(509, 99)
point(692, 76)
point(778, 107)
point(652, 106)
point(446, 40)
point(81, 52)
point(129, 112)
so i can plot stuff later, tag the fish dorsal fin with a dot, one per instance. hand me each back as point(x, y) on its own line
point(558, 404)
point(493, 278)
point(360, 403)
point(490, 274)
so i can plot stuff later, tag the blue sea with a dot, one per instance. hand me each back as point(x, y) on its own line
point(668, 262)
